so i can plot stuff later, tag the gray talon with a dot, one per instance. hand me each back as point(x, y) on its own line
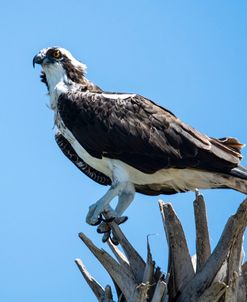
point(98, 221)
point(114, 240)
point(103, 228)
point(107, 220)
point(106, 236)
point(120, 220)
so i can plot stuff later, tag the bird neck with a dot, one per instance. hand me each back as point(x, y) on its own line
point(57, 83)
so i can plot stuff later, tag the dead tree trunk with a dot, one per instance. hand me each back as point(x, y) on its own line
point(206, 277)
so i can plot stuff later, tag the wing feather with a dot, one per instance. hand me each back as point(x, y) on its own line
point(142, 134)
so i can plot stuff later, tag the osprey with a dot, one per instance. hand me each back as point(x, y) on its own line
point(130, 143)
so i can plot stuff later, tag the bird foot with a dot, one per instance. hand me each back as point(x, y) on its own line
point(104, 228)
point(100, 218)
point(110, 236)
point(107, 220)
point(121, 219)
point(106, 236)
point(94, 216)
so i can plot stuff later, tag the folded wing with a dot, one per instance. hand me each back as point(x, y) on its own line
point(142, 134)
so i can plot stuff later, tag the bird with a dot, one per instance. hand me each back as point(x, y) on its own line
point(129, 142)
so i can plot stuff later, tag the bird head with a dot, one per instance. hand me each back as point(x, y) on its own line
point(58, 65)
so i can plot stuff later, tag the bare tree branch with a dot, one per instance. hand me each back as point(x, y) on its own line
point(234, 228)
point(149, 269)
point(160, 291)
point(203, 250)
point(124, 278)
point(219, 276)
point(135, 260)
point(94, 285)
point(179, 264)
point(213, 293)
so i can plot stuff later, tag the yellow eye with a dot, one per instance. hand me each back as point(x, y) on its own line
point(57, 54)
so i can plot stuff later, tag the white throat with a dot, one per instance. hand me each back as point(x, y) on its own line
point(58, 82)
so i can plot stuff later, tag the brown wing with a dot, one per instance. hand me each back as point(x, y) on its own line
point(140, 133)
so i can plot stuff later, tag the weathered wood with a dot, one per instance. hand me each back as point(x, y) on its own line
point(121, 258)
point(160, 291)
point(234, 270)
point(241, 293)
point(220, 276)
point(122, 276)
point(118, 254)
point(235, 227)
point(136, 263)
point(149, 268)
point(222, 272)
point(213, 293)
point(108, 294)
point(194, 261)
point(121, 297)
point(203, 250)
point(148, 276)
point(180, 267)
point(244, 276)
point(94, 285)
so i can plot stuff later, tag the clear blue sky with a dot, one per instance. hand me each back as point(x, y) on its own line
point(189, 56)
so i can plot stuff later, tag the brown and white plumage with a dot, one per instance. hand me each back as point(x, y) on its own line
point(130, 142)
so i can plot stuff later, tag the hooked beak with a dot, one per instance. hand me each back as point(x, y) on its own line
point(38, 59)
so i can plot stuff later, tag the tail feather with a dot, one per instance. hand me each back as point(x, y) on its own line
point(237, 179)
point(232, 143)
point(240, 172)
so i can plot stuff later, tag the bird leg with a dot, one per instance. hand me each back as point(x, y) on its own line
point(126, 196)
point(95, 210)
point(124, 200)
point(104, 225)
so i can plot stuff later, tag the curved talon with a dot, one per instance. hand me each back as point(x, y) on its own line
point(106, 236)
point(103, 228)
point(114, 240)
point(120, 220)
point(96, 223)
point(100, 219)
point(107, 220)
